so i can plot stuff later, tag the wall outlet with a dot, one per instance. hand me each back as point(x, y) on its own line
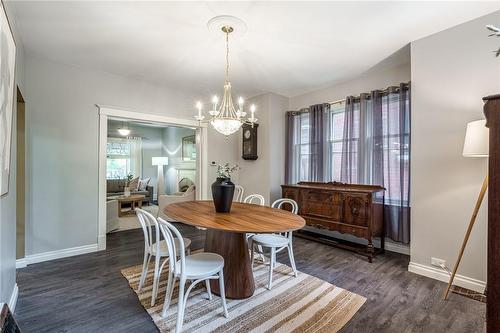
point(438, 262)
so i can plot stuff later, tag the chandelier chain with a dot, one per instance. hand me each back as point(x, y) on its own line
point(227, 56)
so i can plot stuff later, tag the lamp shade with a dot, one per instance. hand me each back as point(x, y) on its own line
point(476, 139)
point(161, 160)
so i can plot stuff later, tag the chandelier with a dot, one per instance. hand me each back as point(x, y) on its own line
point(225, 118)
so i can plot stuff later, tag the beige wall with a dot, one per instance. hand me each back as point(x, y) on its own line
point(451, 71)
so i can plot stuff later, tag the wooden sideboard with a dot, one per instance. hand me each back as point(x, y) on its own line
point(346, 208)
point(492, 113)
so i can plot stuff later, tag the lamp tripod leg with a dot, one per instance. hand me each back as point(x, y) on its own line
point(467, 234)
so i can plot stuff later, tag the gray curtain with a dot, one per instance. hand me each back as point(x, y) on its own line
point(289, 137)
point(376, 150)
point(317, 141)
point(396, 161)
point(296, 150)
point(350, 158)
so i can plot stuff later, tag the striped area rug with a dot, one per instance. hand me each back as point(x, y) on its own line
point(295, 304)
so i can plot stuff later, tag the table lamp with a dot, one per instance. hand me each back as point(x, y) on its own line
point(160, 162)
point(476, 145)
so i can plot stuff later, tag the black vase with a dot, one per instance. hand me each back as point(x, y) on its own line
point(222, 192)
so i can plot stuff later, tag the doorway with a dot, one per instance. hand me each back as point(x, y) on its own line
point(20, 176)
point(109, 117)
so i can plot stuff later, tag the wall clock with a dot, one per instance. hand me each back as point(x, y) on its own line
point(249, 151)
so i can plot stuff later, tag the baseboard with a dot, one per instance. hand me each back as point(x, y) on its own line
point(21, 263)
point(51, 255)
point(439, 274)
point(101, 242)
point(13, 298)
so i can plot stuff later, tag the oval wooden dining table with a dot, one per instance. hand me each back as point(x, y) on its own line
point(226, 236)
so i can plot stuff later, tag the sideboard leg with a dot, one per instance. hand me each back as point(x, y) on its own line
point(370, 251)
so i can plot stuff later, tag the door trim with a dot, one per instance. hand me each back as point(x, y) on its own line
point(106, 112)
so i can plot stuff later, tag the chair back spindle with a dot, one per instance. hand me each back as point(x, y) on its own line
point(147, 221)
point(169, 233)
point(255, 197)
point(239, 193)
point(295, 209)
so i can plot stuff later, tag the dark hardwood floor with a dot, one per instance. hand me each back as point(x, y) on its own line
point(88, 294)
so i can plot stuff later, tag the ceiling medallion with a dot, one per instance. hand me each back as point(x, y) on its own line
point(225, 118)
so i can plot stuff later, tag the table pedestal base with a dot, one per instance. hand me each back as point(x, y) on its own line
point(238, 275)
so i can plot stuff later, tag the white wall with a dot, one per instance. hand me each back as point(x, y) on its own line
point(451, 71)
point(62, 158)
point(8, 202)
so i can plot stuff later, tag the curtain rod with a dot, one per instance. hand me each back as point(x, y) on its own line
point(340, 101)
point(382, 91)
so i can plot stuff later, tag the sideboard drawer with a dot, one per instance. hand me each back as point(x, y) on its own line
point(321, 204)
point(357, 231)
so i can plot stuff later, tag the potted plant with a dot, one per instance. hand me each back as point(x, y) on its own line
point(223, 188)
point(126, 190)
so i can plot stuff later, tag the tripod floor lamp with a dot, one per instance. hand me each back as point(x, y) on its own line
point(160, 162)
point(476, 145)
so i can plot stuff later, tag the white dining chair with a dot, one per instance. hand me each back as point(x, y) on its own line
point(255, 197)
point(196, 267)
point(154, 247)
point(275, 242)
point(260, 201)
point(238, 195)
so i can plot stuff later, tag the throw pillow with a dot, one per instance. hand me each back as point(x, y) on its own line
point(134, 183)
point(143, 183)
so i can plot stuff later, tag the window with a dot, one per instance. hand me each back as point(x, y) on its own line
point(396, 147)
point(123, 157)
point(300, 149)
point(335, 139)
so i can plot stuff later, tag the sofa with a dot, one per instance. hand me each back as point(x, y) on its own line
point(112, 220)
point(189, 194)
point(115, 187)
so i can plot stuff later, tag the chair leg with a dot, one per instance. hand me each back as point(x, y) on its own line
point(156, 280)
point(188, 251)
point(223, 292)
point(271, 266)
point(261, 255)
point(180, 307)
point(209, 292)
point(145, 265)
point(168, 294)
point(292, 259)
point(252, 255)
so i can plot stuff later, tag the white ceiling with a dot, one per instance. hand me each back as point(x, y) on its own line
point(289, 48)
